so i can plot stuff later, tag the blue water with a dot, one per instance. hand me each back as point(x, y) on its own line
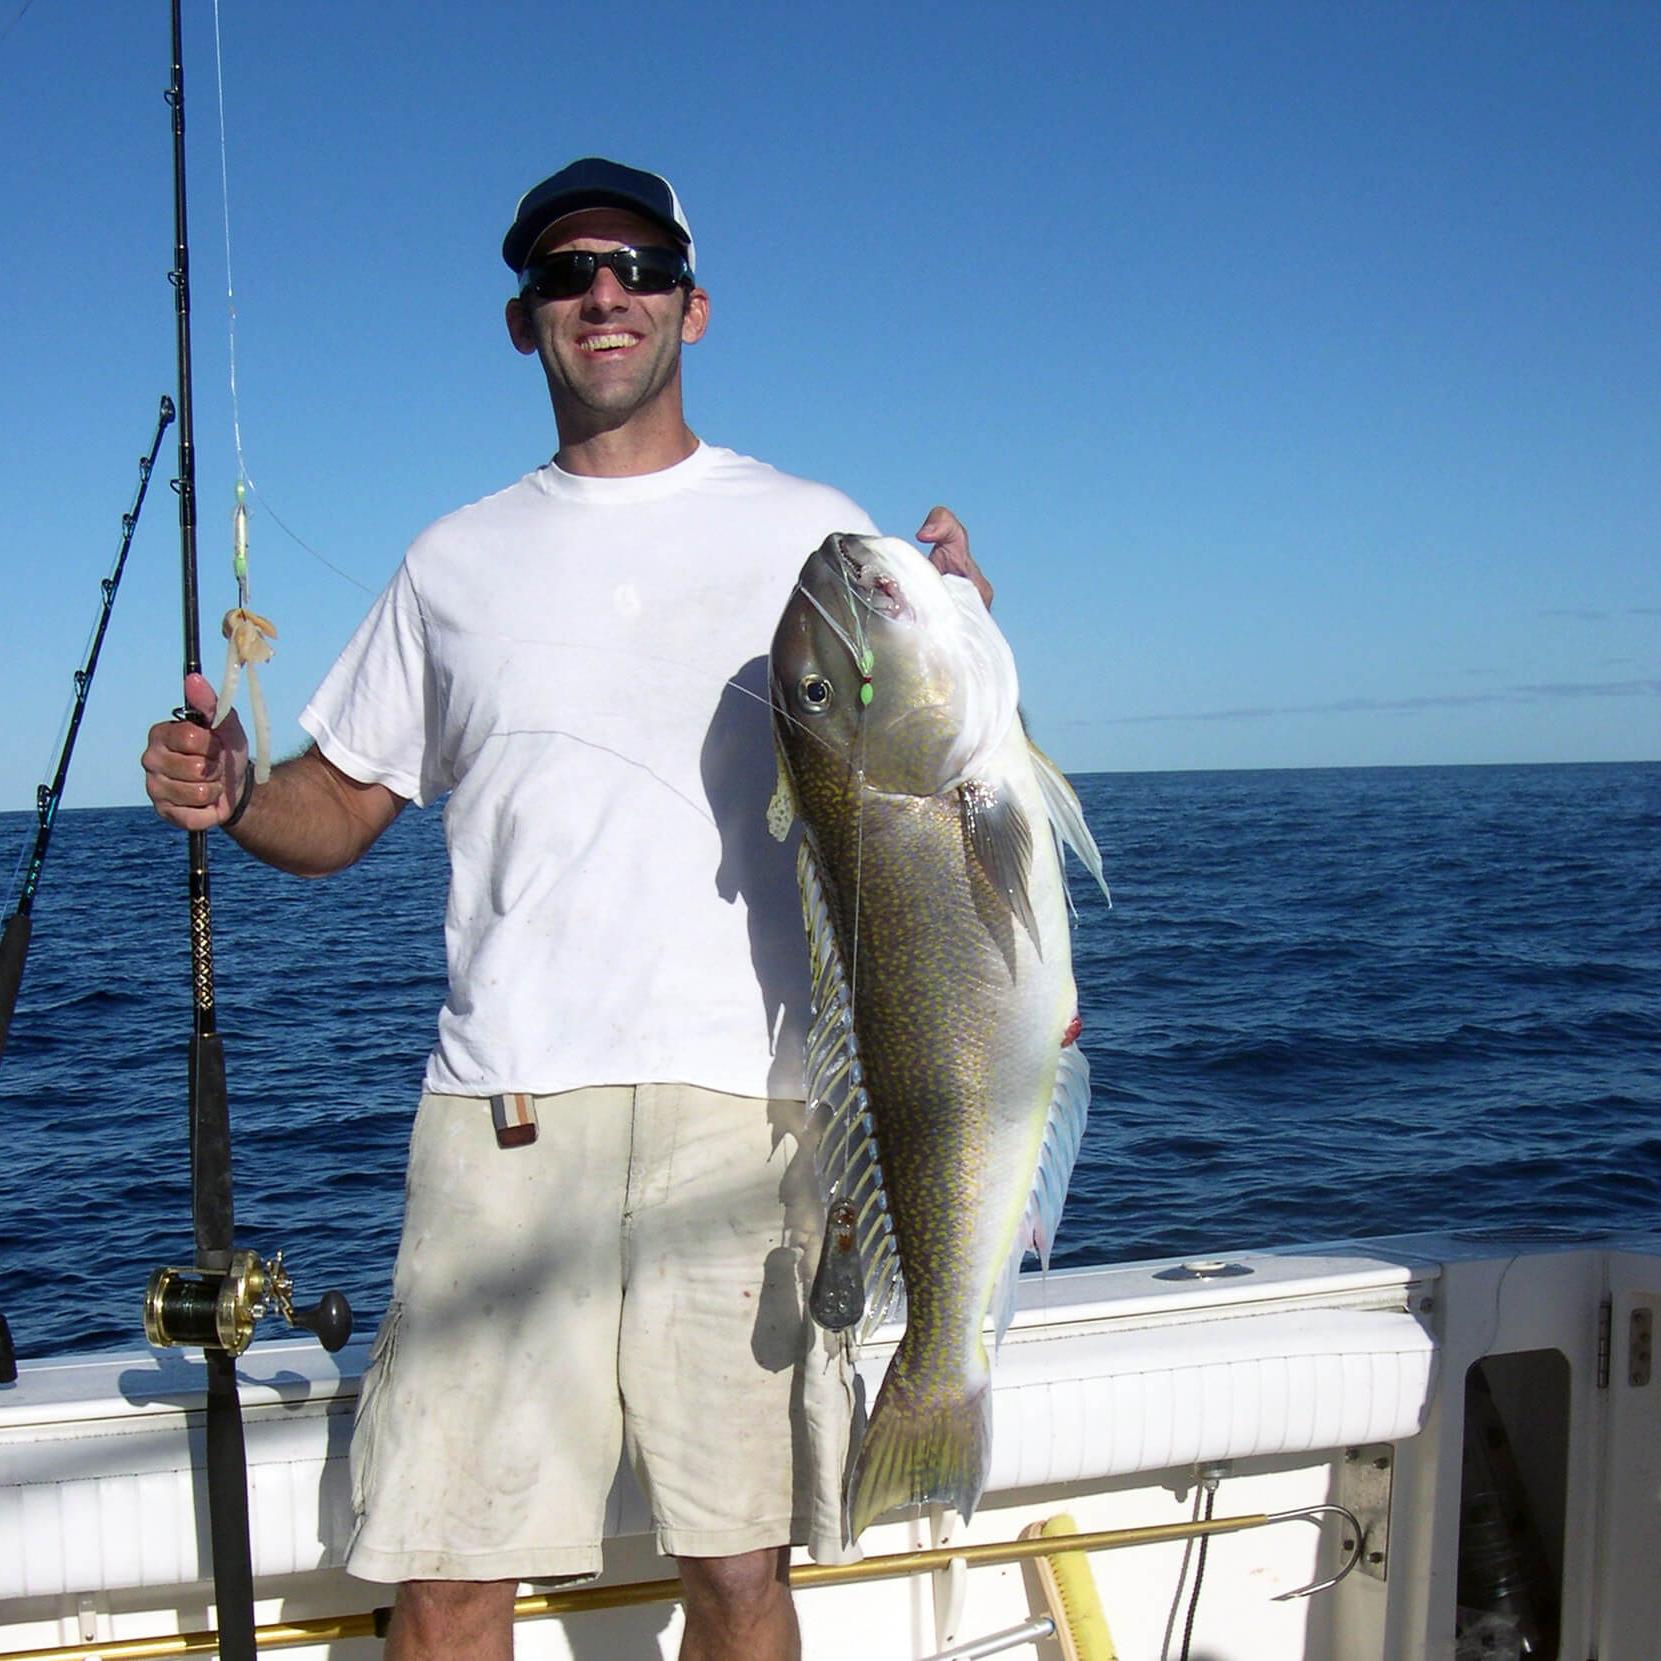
point(1324, 1004)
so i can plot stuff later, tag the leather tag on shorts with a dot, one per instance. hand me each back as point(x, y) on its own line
point(515, 1119)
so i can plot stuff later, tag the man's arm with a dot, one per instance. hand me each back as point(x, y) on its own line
point(308, 817)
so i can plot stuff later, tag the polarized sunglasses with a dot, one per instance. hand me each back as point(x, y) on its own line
point(572, 271)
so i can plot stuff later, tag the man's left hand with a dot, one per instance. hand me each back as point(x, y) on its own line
point(950, 550)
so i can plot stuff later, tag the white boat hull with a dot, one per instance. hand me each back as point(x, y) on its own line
point(1331, 1376)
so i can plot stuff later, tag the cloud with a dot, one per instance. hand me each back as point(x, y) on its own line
point(1525, 693)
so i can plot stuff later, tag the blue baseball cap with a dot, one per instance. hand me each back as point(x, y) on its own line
point(594, 182)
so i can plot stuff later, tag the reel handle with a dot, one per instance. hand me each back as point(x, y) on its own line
point(330, 1319)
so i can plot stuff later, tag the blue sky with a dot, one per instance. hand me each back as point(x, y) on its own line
point(1295, 367)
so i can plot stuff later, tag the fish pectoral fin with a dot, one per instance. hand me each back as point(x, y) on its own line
point(999, 841)
point(781, 806)
point(1067, 817)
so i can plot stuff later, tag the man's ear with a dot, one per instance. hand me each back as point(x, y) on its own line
point(695, 318)
point(519, 327)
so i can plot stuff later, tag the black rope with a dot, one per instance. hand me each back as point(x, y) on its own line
point(1199, 1573)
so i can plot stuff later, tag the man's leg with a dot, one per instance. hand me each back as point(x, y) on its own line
point(738, 1608)
point(452, 1620)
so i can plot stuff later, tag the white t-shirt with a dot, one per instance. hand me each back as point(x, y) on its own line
point(581, 663)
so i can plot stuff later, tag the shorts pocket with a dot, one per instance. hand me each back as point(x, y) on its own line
point(366, 1427)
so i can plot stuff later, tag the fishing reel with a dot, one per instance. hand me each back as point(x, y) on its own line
point(217, 1309)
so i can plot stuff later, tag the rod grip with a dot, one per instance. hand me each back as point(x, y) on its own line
point(212, 1209)
point(233, 1571)
point(14, 949)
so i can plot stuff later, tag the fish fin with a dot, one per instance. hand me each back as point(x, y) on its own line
point(920, 1449)
point(999, 840)
point(1063, 1131)
point(839, 1108)
point(1067, 817)
point(781, 806)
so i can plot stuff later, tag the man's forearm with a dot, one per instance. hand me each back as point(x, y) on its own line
point(310, 819)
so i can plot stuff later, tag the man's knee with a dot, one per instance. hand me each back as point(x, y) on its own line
point(433, 1618)
point(730, 1586)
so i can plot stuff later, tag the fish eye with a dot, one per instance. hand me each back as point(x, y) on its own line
point(815, 694)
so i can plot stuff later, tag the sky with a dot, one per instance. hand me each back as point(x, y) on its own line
point(1295, 367)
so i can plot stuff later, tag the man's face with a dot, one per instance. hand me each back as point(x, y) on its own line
point(608, 354)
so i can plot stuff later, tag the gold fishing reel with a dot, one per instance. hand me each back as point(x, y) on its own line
point(218, 1309)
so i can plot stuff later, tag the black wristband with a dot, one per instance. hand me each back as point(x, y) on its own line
point(243, 800)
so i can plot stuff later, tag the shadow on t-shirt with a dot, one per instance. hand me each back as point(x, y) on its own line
point(739, 772)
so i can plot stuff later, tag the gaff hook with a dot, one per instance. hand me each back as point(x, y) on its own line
point(1311, 1514)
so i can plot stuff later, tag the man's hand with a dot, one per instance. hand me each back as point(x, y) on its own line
point(950, 551)
point(194, 774)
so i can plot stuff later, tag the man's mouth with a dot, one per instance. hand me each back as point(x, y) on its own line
point(608, 343)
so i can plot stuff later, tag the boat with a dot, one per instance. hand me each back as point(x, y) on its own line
point(1440, 1445)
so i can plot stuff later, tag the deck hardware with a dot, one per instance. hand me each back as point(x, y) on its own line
point(995, 1643)
point(1204, 1268)
point(1605, 1320)
point(1364, 1486)
point(1640, 1346)
point(1312, 1514)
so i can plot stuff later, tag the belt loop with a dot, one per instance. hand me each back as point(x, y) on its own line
point(515, 1119)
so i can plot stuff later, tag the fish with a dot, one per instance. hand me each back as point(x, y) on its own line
point(945, 1083)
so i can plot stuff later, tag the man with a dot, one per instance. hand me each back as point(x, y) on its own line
point(608, 1228)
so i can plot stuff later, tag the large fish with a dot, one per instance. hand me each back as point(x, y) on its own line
point(943, 1073)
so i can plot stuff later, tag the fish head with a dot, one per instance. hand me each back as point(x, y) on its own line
point(886, 666)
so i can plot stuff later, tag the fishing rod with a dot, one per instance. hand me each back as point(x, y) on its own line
point(215, 1304)
point(14, 944)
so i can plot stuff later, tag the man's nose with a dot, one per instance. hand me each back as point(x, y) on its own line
point(606, 293)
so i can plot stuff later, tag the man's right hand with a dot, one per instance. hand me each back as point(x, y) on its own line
point(194, 774)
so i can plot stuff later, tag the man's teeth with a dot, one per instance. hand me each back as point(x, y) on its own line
point(606, 343)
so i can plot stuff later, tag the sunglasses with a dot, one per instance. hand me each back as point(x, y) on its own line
point(570, 272)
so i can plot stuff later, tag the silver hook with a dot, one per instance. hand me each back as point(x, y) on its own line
point(1310, 1514)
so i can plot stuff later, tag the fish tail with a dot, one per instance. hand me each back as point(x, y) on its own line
point(922, 1447)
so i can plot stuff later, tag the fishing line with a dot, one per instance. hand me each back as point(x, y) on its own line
point(225, 218)
point(17, 19)
point(244, 478)
point(862, 662)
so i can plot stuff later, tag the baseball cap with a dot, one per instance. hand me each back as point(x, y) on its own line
point(594, 182)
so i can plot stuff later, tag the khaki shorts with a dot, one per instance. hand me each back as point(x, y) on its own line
point(635, 1279)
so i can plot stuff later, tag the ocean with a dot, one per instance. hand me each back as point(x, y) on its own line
point(1324, 1004)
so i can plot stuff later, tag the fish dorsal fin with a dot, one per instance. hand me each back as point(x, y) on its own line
point(839, 1108)
point(1064, 1130)
point(1067, 817)
point(999, 840)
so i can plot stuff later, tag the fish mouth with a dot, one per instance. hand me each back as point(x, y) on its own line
point(866, 583)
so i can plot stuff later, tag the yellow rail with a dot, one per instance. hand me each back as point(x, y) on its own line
point(372, 1623)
